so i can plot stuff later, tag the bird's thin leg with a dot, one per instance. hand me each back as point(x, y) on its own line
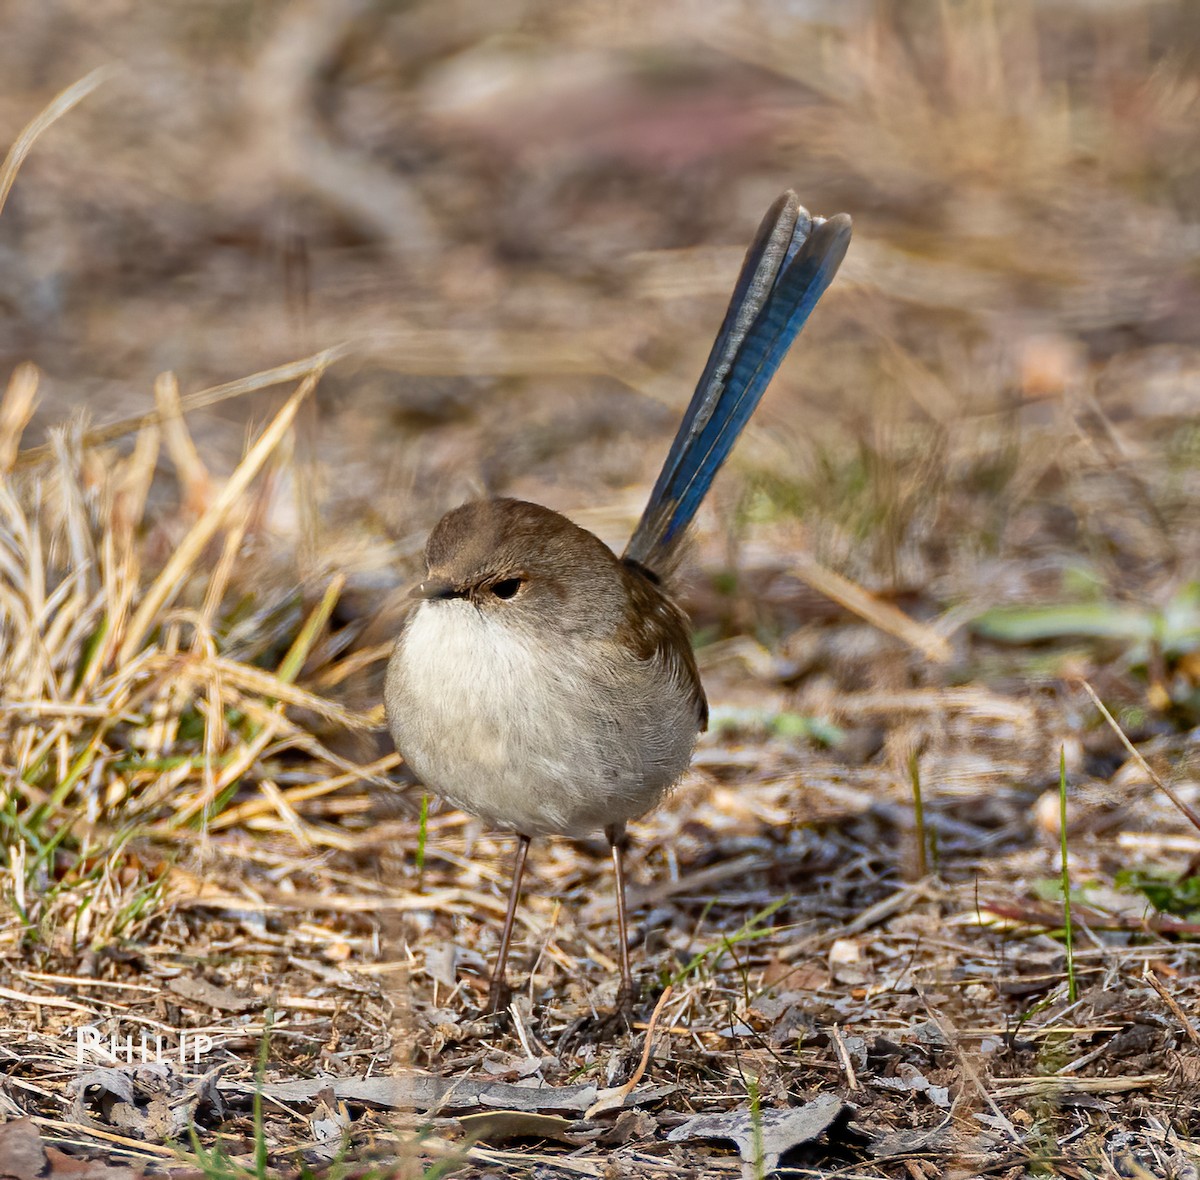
point(500, 994)
point(617, 841)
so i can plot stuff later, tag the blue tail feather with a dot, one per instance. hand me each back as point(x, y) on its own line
point(791, 262)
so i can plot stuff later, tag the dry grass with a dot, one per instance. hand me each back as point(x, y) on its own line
point(201, 831)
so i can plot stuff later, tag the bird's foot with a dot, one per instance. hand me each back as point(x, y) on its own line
point(597, 1027)
point(499, 998)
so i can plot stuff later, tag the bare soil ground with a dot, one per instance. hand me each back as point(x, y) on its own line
point(386, 257)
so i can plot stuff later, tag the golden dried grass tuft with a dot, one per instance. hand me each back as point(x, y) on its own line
point(126, 717)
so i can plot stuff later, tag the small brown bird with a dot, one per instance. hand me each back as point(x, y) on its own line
point(548, 686)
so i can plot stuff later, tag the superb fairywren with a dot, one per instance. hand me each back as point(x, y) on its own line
point(545, 684)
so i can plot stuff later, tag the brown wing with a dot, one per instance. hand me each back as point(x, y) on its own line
point(658, 630)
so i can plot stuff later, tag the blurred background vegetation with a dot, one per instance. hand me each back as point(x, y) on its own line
point(526, 215)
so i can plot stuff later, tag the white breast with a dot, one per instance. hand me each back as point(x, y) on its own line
point(542, 733)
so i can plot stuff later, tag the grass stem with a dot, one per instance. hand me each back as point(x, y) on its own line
point(1072, 985)
point(422, 837)
point(914, 774)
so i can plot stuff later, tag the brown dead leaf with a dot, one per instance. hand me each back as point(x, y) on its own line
point(845, 950)
point(198, 991)
point(427, 1092)
point(24, 1156)
point(497, 1126)
point(809, 976)
point(629, 1125)
point(763, 1140)
point(21, 1150)
point(67, 1167)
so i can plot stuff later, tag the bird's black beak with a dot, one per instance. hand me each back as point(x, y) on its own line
point(435, 588)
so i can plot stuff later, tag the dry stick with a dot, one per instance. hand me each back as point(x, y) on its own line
point(292, 822)
point(844, 1057)
point(249, 679)
point(515, 1162)
point(59, 106)
point(121, 559)
point(293, 662)
point(893, 904)
point(193, 476)
point(214, 592)
point(519, 1025)
point(307, 366)
point(41, 1001)
point(426, 351)
point(239, 762)
point(1048, 1084)
point(874, 610)
point(970, 1073)
point(1170, 792)
point(148, 1150)
point(169, 581)
point(333, 674)
point(449, 901)
point(610, 1099)
point(1170, 1001)
point(215, 727)
point(202, 639)
point(216, 667)
point(250, 808)
point(16, 408)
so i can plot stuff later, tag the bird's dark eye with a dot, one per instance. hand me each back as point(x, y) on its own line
point(507, 588)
